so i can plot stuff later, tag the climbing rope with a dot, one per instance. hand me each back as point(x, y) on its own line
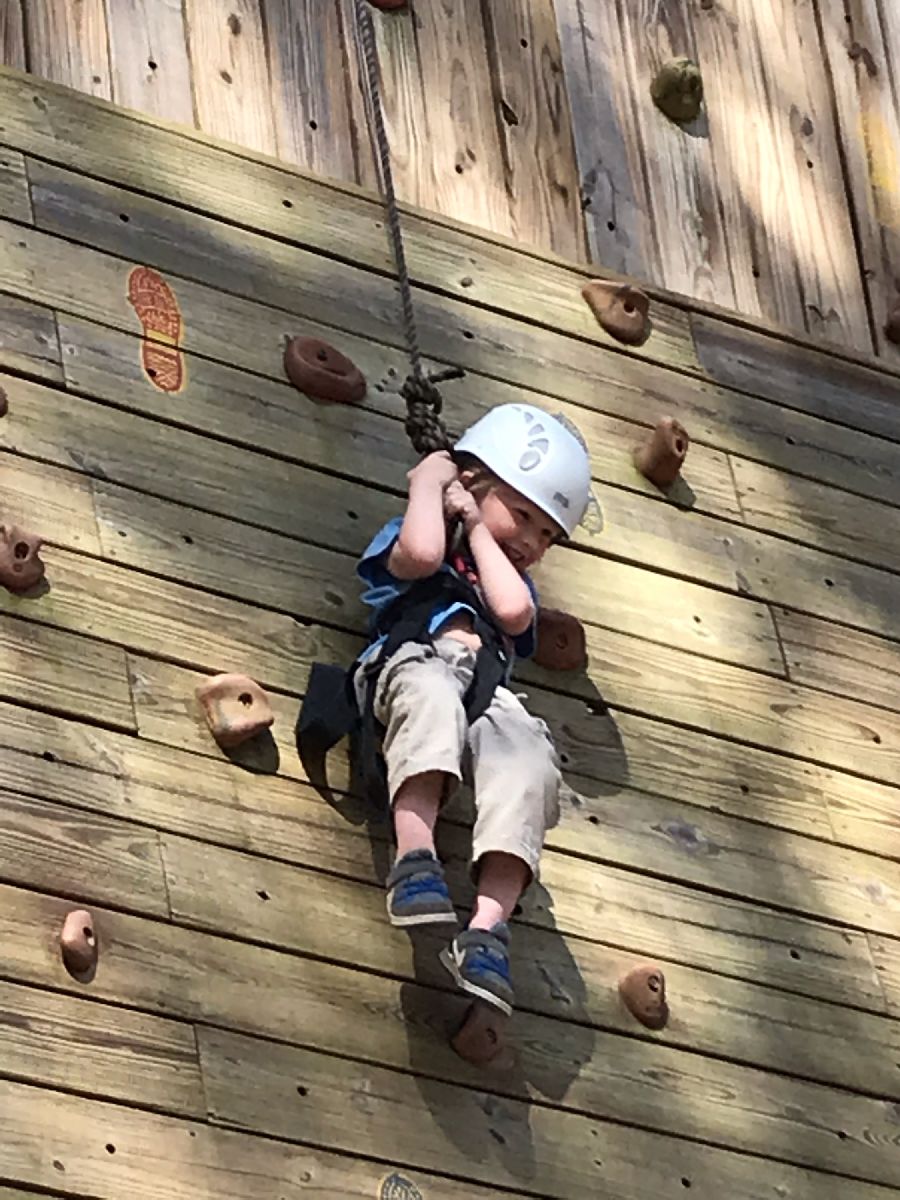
point(424, 426)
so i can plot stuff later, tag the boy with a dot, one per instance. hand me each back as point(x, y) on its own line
point(518, 481)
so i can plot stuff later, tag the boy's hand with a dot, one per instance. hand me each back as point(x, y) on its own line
point(460, 503)
point(438, 470)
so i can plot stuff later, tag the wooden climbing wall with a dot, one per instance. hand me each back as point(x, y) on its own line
point(255, 1028)
point(532, 119)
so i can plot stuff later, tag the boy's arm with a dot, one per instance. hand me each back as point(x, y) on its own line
point(505, 591)
point(422, 542)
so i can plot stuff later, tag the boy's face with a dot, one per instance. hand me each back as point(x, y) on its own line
point(522, 530)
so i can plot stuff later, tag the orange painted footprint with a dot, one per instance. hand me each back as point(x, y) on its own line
point(160, 317)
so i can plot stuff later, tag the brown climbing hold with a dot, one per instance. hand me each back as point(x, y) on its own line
point(643, 991)
point(677, 90)
point(322, 372)
point(481, 1039)
point(622, 310)
point(78, 944)
point(660, 456)
point(561, 644)
point(236, 708)
point(892, 325)
point(20, 563)
point(4, 402)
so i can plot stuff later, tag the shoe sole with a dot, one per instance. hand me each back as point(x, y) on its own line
point(472, 989)
point(422, 919)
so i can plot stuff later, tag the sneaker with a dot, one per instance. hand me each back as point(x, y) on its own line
point(478, 960)
point(417, 893)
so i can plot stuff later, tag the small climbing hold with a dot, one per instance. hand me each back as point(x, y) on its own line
point(677, 90)
point(643, 992)
point(660, 456)
point(892, 325)
point(481, 1039)
point(622, 310)
point(236, 708)
point(20, 563)
point(78, 945)
point(561, 644)
point(322, 372)
point(4, 402)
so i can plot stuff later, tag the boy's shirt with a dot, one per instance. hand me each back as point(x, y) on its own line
point(382, 587)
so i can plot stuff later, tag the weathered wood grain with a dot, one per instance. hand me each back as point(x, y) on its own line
point(54, 848)
point(15, 202)
point(310, 87)
point(149, 56)
point(861, 39)
point(296, 1094)
point(72, 1043)
point(531, 107)
point(166, 713)
point(159, 1158)
point(28, 339)
point(12, 36)
point(68, 44)
point(799, 377)
point(843, 661)
point(51, 669)
point(126, 449)
point(61, 205)
point(229, 72)
point(436, 92)
point(778, 168)
point(182, 544)
point(188, 169)
point(604, 124)
point(201, 977)
point(50, 501)
point(266, 413)
point(804, 511)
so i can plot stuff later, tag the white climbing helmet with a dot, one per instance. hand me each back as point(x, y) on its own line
point(539, 455)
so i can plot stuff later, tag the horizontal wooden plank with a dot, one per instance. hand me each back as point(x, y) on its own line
point(844, 661)
point(239, 188)
point(295, 280)
point(75, 1044)
point(799, 377)
point(57, 504)
point(254, 1085)
point(264, 413)
point(268, 414)
point(203, 977)
point(267, 569)
point(214, 553)
point(154, 616)
point(56, 849)
point(28, 341)
point(711, 931)
point(127, 449)
point(814, 514)
point(160, 1158)
point(749, 707)
point(161, 786)
point(15, 202)
point(52, 669)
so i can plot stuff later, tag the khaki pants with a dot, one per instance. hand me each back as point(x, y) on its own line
point(506, 755)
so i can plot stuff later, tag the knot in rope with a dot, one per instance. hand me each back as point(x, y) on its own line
point(424, 426)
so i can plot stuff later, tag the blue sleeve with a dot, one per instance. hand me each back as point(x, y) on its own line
point(380, 585)
point(526, 643)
